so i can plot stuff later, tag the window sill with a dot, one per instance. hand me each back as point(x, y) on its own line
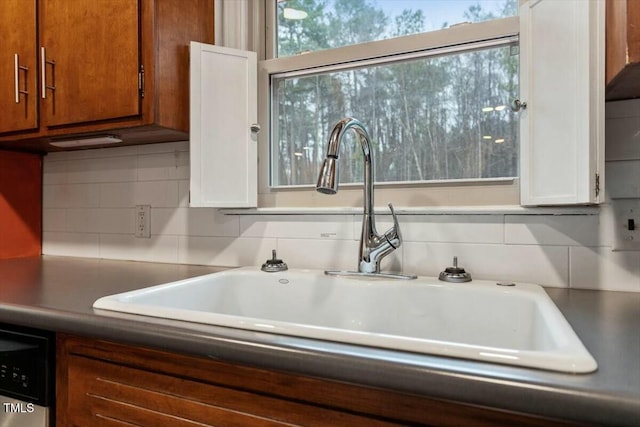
point(439, 210)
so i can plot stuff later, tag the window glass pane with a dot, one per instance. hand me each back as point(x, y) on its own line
point(431, 118)
point(311, 25)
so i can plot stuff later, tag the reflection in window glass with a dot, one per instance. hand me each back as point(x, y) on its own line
point(431, 118)
point(312, 25)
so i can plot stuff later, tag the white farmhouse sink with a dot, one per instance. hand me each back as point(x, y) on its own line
point(480, 320)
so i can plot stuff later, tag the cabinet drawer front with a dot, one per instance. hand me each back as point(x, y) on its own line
point(107, 394)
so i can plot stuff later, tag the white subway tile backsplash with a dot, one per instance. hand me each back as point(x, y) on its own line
point(623, 179)
point(128, 247)
point(71, 244)
point(54, 219)
point(225, 251)
point(91, 220)
point(600, 268)
point(297, 226)
point(327, 254)
point(82, 220)
point(183, 193)
point(552, 230)
point(544, 265)
point(54, 172)
point(117, 195)
point(114, 221)
point(623, 138)
point(90, 195)
point(452, 228)
point(168, 147)
point(154, 193)
point(71, 196)
point(607, 229)
point(163, 166)
point(625, 108)
point(193, 222)
point(114, 169)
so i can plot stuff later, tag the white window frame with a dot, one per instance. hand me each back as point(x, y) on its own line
point(499, 191)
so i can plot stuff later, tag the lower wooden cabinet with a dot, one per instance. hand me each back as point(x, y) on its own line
point(107, 384)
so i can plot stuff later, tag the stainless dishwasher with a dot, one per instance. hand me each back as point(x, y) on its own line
point(26, 377)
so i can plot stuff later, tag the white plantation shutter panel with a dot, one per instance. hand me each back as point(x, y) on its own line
point(223, 148)
point(562, 82)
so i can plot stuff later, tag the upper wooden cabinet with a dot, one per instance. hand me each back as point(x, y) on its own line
point(100, 67)
point(623, 49)
point(18, 69)
point(89, 61)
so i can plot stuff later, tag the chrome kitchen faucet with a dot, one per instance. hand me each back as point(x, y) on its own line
point(373, 246)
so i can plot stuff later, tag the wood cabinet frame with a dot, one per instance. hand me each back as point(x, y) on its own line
point(623, 49)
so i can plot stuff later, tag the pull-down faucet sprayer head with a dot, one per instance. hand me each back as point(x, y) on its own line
point(328, 177)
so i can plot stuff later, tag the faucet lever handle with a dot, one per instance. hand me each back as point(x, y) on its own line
point(393, 235)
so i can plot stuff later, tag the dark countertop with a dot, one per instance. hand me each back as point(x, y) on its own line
point(57, 293)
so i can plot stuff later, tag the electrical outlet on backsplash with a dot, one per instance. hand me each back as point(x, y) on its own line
point(626, 220)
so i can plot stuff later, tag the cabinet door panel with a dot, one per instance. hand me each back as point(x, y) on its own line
point(562, 81)
point(105, 391)
point(224, 156)
point(101, 391)
point(92, 60)
point(18, 35)
point(207, 391)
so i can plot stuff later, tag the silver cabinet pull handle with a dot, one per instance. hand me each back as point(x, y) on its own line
point(16, 77)
point(43, 70)
point(16, 74)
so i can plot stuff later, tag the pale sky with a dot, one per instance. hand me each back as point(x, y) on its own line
point(437, 11)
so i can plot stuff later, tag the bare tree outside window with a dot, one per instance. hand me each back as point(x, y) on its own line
point(436, 117)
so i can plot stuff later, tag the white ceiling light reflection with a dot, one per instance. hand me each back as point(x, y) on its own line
point(496, 108)
point(295, 14)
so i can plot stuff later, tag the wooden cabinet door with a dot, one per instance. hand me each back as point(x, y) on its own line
point(89, 59)
point(103, 392)
point(107, 384)
point(18, 69)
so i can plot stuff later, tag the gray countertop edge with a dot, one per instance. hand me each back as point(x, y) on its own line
point(57, 293)
point(500, 387)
